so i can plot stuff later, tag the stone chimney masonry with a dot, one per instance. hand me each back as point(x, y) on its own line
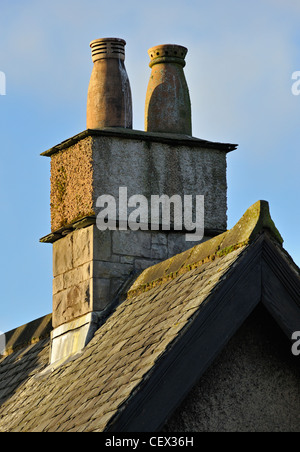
point(91, 266)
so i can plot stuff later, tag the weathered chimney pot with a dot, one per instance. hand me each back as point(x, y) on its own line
point(168, 105)
point(109, 102)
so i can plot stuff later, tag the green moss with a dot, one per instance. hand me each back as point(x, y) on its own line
point(255, 221)
point(61, 184)
point(229, 249)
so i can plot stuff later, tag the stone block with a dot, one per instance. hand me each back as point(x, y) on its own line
point(132, 243)
point(159, 238)
point(77, 275)
point(177, 243)
point(111, 269)
point(101, 294)
point(63, 255)
point(142, 264)
point(102, 244)
point(58, 283)
point(115, 285)
point(82, 245)
point(127, 260)
point(159, 252)
point(72, 302)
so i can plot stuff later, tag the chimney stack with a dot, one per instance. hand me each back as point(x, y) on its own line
point(168, 105)
point(91, 264)
point(109, 102)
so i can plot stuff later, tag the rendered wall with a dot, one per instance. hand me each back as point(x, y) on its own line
point(253, 386)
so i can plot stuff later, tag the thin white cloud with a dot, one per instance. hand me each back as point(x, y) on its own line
point(238, 65)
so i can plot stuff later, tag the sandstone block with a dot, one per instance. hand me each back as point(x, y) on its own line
point(63, 255)
point(78, 275)
point(101, 293)
point(102, 244)
point(111, 269)
point(83, 245)
point(132, 243)
point(72, 302)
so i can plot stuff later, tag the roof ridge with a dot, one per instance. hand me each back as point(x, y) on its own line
point(254, 221)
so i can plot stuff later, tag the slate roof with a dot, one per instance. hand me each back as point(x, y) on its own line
point(153, 348)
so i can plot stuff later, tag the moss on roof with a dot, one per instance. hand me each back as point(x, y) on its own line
point(28, 334)
point(255, 220)
point(89, 392)
point(86, 393)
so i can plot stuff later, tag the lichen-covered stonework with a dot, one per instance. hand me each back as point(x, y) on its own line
point(71, 184)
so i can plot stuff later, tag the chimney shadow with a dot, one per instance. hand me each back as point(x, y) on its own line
point(27, 352)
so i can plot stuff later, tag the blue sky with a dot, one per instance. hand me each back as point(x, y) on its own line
point(241, 57)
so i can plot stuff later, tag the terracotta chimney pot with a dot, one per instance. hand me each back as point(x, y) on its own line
point(109, 102)
point(168, 105)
